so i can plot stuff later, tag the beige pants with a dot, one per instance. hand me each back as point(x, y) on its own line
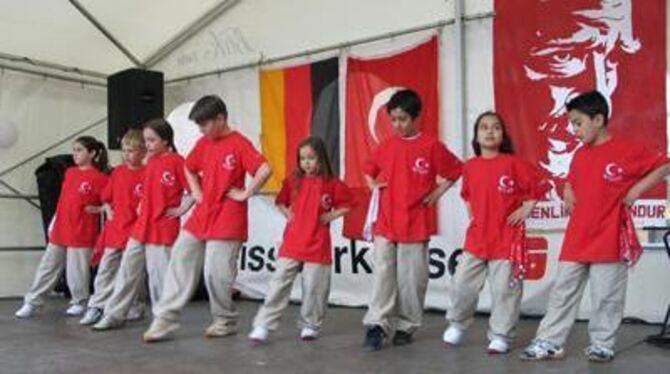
point(608, 295)
point(130, 277)
point(400, 279)
point(315, 290)
point(103, 285)
point(464, 289)
point(56, 259)
point(189, 255)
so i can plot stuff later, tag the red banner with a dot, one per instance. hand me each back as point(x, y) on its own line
point(370, 84)
point(548, 51)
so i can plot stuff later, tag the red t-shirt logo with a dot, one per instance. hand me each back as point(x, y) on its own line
point(326, 201)
point(85, 188)
point(506, 184)
point(138, 190)
point(229, 162)
point(613, 172)
point(421, 166)
point(167, 179)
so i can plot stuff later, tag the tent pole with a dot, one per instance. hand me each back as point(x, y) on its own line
point(189, 31)
point(460, 112)
point(51, 66)
point(45, 74)
point(329, 48)
point(106, 33)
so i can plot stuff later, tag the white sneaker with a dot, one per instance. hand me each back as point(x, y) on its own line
point(259, 335)
point(498, 346)
point(309, 334)
point(75, 310)
point(453, 335)
point(26, 311)
point(135, 313)
point(107, 323)
point(92, 316)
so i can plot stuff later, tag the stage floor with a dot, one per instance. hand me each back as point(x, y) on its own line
point(52, 343)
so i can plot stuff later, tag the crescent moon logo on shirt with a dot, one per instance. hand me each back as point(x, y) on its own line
point(613, 172)
point(85, 188)
point(421, 166)
point(167, 179)
point(326, 201)
point(506, 184)
point(229, 162)
point(138, 190)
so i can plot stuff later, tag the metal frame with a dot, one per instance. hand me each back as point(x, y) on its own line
point(332, 47)
point(188, 32)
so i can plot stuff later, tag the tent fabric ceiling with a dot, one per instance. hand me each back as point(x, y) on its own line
point(56, 32)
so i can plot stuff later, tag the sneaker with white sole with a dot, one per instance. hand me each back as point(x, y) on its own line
point(453, 335)
point(160, 330)
point(91, 317)
point(26, 311)
point(259, 335)
point(136, 313)
point(221, 328)
point(599, 354)
point(308, 334)
point(75, 310)
point(497, 347)
point(108, 323)
point(542, 350)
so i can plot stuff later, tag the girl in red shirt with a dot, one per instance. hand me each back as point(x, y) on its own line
point(499, 190)
point(73, 230)
point(310, 200)
point(121, 197)
point(155, 228)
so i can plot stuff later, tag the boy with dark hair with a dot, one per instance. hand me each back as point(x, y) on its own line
point(606, 174)
point(412, 170)
point(215, 170)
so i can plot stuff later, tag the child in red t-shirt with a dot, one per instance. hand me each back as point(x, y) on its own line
point(212, 237)
point(309, 200)
point(411, 171)
point(156, 227)
point(73, 230)
point(500, 190)
point(606, 174)
point(121, 197)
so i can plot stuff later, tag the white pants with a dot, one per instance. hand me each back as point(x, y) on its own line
point(57, 258)
point(315, 290)
point(130, 276)
point(608, 295)
point(189, 255)
point(103, 285)
point(400, 280)
point(464, 289)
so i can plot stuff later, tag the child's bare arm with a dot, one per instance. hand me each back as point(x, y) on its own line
point(284, 210)
point(520, 214)
point(372, 182)
point(261, 176)
point(569, 198)
point(194, 184)
point(443, 186)
point(644, 184)
point(334, 214)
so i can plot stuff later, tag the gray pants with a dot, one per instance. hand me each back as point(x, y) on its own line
point(315, 290)
point(130, 276)
point(608, 294)
point(464, 289)
point(400, 280)
point(189, 255)
point(57, 258)
point(103, 286)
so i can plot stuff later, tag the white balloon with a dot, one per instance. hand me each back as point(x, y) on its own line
point(186, 132)
point(8, 133)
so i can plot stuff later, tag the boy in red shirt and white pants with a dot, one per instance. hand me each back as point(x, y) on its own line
point(606, 173)
point(406, 169)
point(215, 169)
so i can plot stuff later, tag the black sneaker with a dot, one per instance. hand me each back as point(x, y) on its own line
point(402, 338)
point(374, 338)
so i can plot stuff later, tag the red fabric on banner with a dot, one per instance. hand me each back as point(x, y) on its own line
point(370, 84)
point(546, 52)
point(298, 110)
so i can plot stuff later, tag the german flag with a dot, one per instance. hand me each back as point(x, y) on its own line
point(297, 102)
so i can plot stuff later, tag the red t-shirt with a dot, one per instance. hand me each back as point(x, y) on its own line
point(305, 237)
point(410, 167)
point(164, 185)
point(495, 188)
point(123, 193)
point(600, 177)
point(222, 164)
point(72, 226)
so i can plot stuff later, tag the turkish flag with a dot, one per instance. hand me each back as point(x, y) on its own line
point(370, 83)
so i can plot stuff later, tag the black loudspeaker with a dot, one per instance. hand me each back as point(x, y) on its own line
point(134, 96)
